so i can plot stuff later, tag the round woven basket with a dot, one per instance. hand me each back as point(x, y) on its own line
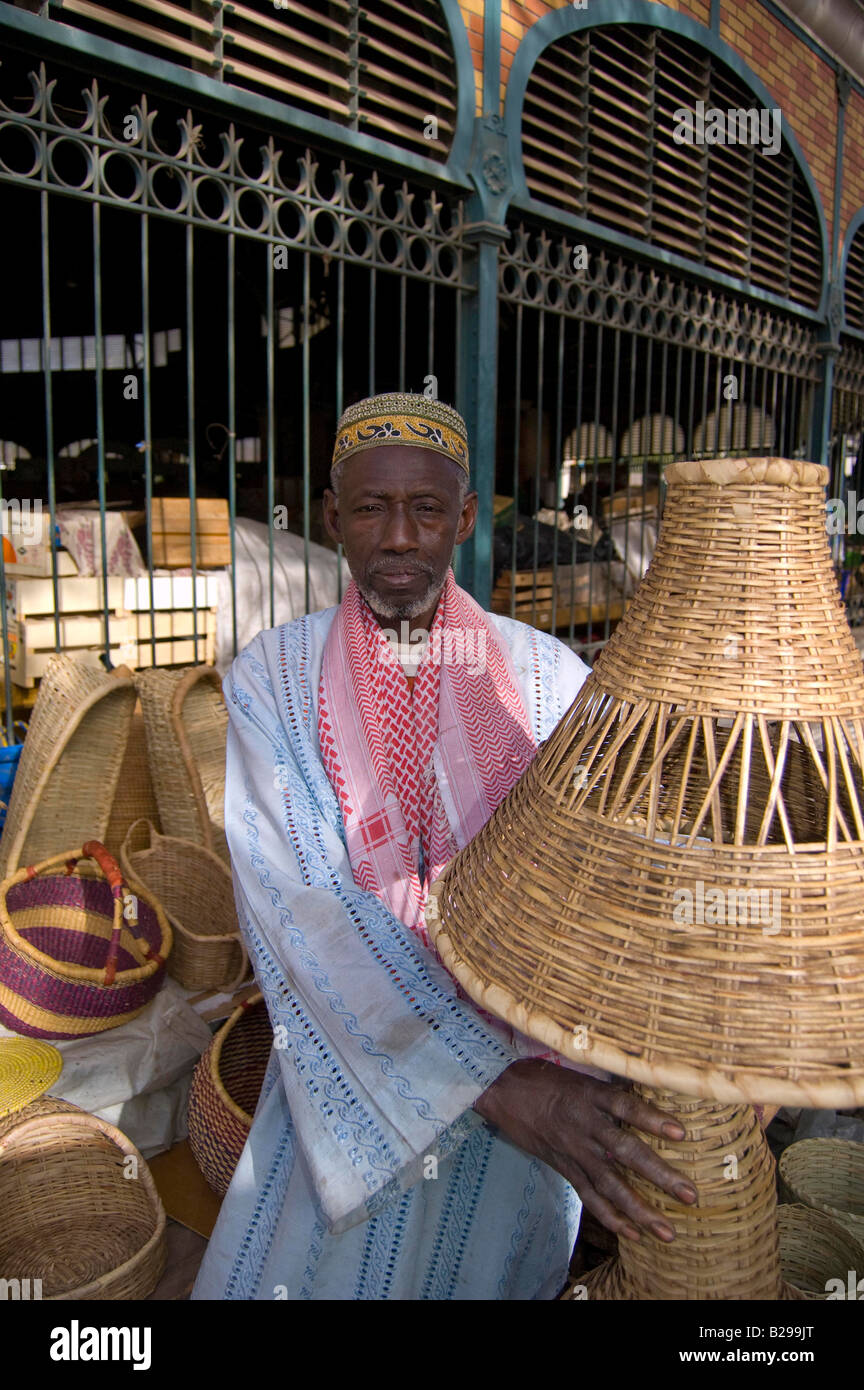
point(814, 1249)
point(187, 725)
point(225, 1090)
point(80, 1208)
point(78, 953)
point(827, 1174)
point(70, 763)
point(195, 888)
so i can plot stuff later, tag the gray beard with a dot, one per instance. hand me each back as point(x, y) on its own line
point(382, 609)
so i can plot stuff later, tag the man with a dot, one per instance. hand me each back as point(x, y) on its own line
point(406, 1145)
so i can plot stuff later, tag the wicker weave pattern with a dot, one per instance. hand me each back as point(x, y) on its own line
point(814, 1249)
point(187, 726)
point(225, 1089)
point(196, 890)
point(70, 763)
point(828, 1174)
point(717, 748)
point(57, 933)
point(27, 1068)
point(135, 797)
point(70, 1216)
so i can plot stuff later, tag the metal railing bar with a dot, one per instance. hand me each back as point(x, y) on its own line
point(190, 428)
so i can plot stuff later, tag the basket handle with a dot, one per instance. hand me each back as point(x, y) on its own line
point(93, 849)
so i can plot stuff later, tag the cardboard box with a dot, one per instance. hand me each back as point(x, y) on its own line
point(174, 623)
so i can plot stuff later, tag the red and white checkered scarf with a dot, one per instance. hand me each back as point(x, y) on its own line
point(377, 739)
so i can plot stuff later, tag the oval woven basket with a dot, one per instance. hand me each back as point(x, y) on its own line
point(71, 1215)
point(70, 763)
point(195, 888)
point(827, 1174)
point(78, 953)
point(815, 1249)
point(187, 726)
point(225, 1088)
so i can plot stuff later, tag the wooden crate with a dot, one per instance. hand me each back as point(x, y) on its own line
point(534, 594)
point(31, 644)
point(172, 541)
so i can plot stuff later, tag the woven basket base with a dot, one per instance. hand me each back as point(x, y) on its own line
point(68, 1255)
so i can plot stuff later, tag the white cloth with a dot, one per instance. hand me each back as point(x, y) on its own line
point(367, 1174)
point(252, 584)
point(137, 1076)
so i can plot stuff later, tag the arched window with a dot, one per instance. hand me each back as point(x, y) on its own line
point(384, 67)
point(854, 290)
point(599, 141)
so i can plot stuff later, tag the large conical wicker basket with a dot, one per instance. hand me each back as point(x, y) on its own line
point(187, 727)
point(70, 764)
point(674, 890)
point(710, 768)
point(80, 1209)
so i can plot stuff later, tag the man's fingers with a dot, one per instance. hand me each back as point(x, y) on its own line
point(629, 1150)
point(604, 1210)
point(608, 1197)
point(626, 1106)
point(611, 1186)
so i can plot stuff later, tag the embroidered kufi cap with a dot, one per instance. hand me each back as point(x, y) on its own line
point(400, 418)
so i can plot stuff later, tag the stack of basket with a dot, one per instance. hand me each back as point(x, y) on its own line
point(74, 1226)
point(822, 1227)
point(95, 768)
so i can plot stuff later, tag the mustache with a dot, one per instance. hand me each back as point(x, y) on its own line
point(402, 567)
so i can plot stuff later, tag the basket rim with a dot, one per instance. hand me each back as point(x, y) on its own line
point(741, 1087)
point(62, 1119)
point(216, 1053)
point(64, 970)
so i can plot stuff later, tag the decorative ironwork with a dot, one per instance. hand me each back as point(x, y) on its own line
point(545, 272)
point(329, 210)
point(848, 401)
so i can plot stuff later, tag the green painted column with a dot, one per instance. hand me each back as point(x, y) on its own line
point(485, 231)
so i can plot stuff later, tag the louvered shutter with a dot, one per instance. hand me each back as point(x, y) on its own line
point(384, 67)
point(598, 141)
point(855, 282)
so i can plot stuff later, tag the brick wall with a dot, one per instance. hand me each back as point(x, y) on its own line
point(853, 162)
point(802, 85)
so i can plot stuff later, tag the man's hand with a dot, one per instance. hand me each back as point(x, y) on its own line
point(568, 1120)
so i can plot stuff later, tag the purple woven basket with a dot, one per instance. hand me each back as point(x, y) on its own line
point(78, 954)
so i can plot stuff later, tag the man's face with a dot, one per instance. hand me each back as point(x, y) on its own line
point(399, 517)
